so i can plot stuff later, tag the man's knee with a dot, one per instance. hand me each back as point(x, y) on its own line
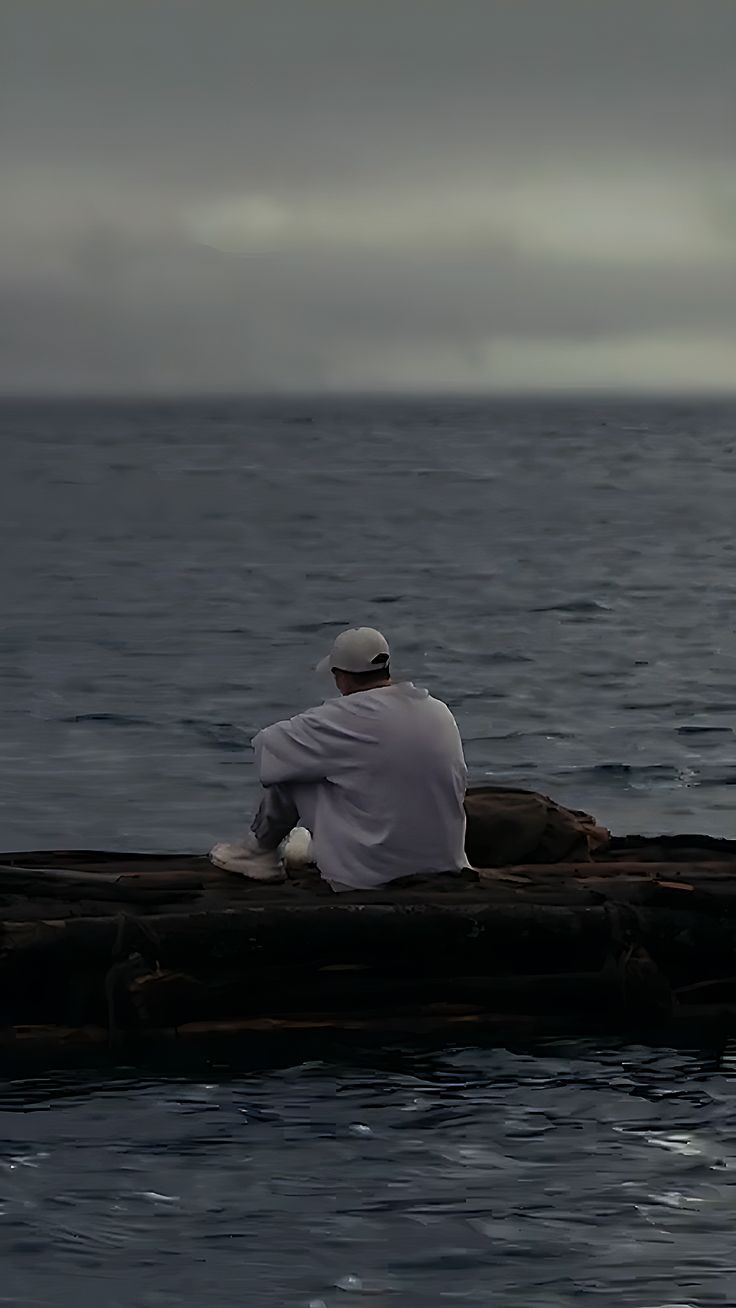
point(277, 815)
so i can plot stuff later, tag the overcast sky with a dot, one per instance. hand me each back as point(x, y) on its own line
point(270, 195)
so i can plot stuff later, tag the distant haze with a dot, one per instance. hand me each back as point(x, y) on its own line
point(291, 195)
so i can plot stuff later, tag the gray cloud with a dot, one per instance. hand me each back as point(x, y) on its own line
point(314, 193)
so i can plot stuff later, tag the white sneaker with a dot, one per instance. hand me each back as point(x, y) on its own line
point(296, 851)
point(248, 859)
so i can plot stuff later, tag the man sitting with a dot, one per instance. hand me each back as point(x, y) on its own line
point(377, 776)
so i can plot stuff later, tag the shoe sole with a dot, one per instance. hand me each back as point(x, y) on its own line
point(249, 876)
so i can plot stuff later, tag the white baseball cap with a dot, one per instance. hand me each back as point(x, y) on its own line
point(361, 649)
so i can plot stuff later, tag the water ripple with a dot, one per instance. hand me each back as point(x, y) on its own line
point(484, 1175)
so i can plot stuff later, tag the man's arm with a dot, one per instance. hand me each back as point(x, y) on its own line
point(303, 748)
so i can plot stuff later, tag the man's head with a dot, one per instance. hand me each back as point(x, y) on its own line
point(358, 660)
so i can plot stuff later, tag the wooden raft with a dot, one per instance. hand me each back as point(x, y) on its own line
point(99, 948)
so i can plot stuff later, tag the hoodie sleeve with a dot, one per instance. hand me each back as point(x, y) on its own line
point(308, 747)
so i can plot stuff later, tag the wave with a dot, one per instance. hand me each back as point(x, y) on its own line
point(111, 719)
point(650, 776)
point(704, 731)
point(574, 606)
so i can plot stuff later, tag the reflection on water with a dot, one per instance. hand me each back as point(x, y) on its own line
point(411, 1176)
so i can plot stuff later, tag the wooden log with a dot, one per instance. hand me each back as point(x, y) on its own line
point(50, 883)
point(539, 874)
point(716, 990)
point(632, 982)
point(239, 963)
point(54, 968)
point(28, 1040)
point(475, 937)
point(23, 1041)
point(676, 848)
point(490, 939)
point(14, 908)
point(106, 861)
point(687, 945)
point(168, 998)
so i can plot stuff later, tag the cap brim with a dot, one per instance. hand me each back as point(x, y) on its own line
point(325, 664)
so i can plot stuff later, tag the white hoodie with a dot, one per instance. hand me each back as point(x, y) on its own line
point(380, 776)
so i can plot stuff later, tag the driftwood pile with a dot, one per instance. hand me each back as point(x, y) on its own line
point(96, 949)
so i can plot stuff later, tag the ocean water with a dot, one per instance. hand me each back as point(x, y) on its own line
point(563, 574)
point(564, 1176)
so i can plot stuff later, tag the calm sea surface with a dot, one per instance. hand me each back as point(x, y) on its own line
point(565, 576)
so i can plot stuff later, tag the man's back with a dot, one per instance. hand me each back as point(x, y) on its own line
point(382, 776)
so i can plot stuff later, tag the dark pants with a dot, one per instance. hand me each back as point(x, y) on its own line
point(281, 809)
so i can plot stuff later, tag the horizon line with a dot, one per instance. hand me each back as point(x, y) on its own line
point(311, 395)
